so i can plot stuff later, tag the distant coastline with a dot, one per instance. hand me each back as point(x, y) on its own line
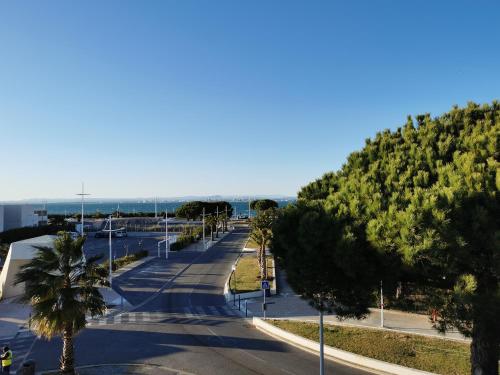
point(130, 206)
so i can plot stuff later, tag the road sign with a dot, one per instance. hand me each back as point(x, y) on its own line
point(264, 284)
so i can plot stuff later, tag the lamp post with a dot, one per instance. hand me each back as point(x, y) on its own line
point(167, 244)
point(381, 305)
point(203, 220)
point(110, 255)
point(321, 343)
point(235, 284)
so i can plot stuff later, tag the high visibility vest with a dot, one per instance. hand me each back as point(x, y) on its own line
point(7, 359)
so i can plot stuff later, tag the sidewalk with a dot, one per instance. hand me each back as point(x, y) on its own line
point(290, 306)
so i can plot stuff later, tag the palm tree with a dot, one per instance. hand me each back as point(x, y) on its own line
point(211, 222)
point(262, 234)
point(61, 286)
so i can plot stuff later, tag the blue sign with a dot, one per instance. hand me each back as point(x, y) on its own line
point(264, 284)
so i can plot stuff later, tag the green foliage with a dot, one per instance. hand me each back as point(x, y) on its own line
point(263, 204)
point(327, 261)
point(62, 287)
point(194, 210)
point(426, 198)
point(123, 261)
point(182, 241)
point(261, 232)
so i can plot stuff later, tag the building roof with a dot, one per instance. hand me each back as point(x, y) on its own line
point(25, 249)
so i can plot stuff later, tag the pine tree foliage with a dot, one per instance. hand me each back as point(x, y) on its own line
point(426, 197)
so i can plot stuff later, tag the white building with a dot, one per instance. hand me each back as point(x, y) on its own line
point(20, 253)
point(21, 215)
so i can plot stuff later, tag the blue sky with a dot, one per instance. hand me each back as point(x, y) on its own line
point(173, 98)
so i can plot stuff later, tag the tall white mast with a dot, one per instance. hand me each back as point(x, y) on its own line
point(82, 194)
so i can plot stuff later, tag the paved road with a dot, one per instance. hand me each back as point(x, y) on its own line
point(187, 325)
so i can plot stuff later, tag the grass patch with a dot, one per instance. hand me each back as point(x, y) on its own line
point(248, 274)
point(251, 244)
point(419, 352)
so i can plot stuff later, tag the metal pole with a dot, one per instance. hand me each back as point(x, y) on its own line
point(264, 304)
point(82, 194)
point(217, 223)
point(110, 256)
point(239, 302)
point(321, 345)
point(381, 305)
point(225, 221)
point(166, 234)
point(83, 226)
point(203, 220)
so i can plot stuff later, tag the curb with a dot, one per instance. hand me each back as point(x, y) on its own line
point(335, 354)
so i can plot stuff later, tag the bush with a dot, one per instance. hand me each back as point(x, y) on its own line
point(182, 241)
point(123, 261)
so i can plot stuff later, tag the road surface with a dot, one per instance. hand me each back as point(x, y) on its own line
point(187, 326)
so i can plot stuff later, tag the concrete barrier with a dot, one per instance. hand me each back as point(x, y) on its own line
point(335, 354)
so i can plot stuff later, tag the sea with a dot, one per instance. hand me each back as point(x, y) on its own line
point(70, 208)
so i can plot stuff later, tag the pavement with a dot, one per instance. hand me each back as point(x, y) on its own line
point(13, 315)
point(179, 320)
point(288, 305)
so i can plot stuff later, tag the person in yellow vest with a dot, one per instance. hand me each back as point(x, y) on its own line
point(6, 360)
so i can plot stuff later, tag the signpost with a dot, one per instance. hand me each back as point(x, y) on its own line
point(264, 285)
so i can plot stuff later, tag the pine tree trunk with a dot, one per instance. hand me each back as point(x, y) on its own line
point(67, 357)
point(485, 345)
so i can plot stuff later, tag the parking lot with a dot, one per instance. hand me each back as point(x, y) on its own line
point(120, 246)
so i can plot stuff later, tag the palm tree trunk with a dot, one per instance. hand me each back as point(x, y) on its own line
point(262, 254)
point(67, 357)
point(264, 264)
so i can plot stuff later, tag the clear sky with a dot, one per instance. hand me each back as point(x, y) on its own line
point(171, 98)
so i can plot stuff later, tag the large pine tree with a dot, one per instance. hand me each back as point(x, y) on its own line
point(426, 198)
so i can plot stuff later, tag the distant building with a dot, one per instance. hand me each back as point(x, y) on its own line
point(20, 253)
point(21, 215)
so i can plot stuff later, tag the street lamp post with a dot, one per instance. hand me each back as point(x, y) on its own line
point(321, 344)
point(110, 255)
point(234, 293)
point(167, 244)
point(217, 223)
point(203, 220)
point(381, 305)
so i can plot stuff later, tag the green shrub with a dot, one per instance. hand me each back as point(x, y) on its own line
point(182, 241)
point(123, 261)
